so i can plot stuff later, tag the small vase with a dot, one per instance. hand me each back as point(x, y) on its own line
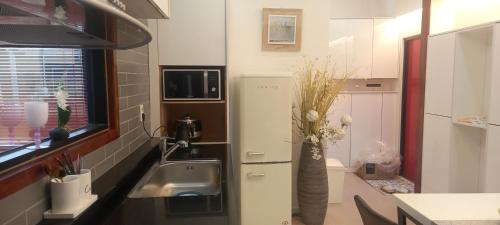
point(312, 186)
point(58, 134)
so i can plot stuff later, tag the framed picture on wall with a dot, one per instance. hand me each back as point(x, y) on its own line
point(281, 29)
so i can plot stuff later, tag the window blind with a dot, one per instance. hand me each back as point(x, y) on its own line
point(33, 74)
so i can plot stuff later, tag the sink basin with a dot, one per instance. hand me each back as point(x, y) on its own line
point(180, 178)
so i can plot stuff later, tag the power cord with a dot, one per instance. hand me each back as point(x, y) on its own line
point(144, 125)
point(154, 132)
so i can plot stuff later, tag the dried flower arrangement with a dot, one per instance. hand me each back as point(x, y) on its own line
point(316, 93)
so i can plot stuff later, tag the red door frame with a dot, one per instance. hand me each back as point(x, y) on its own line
point(410, 167)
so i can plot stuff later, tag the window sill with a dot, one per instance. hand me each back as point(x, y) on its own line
point(16, 157)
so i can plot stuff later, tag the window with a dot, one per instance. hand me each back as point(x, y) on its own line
point(31, 75)
point(28, 109)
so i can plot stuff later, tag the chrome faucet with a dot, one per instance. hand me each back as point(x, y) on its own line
point(166, 151)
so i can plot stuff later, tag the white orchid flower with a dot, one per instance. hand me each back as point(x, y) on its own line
point(312, 115)
point(61, 96)
point(346, 120)
point(314, 139)
point(339, 134)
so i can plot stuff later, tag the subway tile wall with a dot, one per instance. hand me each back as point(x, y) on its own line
point(26, 206)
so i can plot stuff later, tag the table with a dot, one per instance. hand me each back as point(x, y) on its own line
point(448, 209)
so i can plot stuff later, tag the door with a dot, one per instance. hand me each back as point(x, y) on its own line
point(411, 106)
point(265, 119)
point(266, 194)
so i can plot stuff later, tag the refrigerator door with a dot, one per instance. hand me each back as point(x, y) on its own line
point(266, 194)
point(265, 119)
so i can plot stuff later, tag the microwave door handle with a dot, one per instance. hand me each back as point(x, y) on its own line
point(189, 87)
point(205, 84)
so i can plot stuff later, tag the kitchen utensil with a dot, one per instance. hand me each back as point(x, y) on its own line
point(187, 129)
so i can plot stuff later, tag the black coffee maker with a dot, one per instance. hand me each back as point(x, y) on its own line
point(187, 129)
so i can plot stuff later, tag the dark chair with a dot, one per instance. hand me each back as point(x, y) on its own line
point(368, 215)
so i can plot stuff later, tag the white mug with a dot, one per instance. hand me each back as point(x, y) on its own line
point(66, 194)
point(85, 184)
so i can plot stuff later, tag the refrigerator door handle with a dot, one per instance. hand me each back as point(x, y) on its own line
point(256, 174)
point(255, 153)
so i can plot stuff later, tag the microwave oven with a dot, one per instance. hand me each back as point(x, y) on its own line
point(191, 84)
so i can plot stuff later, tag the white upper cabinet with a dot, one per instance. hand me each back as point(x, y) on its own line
point(194, 35)
point(359, 48)
point(364, 48)
point(439, 78)
point(163, 6)
point(385, 49)
point(338, 46)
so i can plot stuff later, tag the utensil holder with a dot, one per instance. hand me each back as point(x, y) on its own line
point(66, 194)
point(85, 185)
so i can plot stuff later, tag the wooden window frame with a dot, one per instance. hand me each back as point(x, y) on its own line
point(30, 171)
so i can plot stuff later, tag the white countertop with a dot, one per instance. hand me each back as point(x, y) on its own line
point(450, 209)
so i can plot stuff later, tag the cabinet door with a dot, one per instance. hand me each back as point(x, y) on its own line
point(342, 149)
point(163, 6)
point(494, 97)
point(491, 161)
point(391, 117)
point(338, 45)
point(439, 78)
point(436, 154)
point(385, 49)
point(366, 123)
point(359, 48)
point(266, 194)
point(195, 34)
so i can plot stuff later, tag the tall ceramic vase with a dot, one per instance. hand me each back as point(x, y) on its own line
point(312, 186)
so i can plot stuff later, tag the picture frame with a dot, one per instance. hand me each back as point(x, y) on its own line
point(281, 29)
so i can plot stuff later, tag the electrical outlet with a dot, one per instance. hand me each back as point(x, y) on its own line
point(141, 112)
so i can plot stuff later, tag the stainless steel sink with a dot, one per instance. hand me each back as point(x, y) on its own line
point(180, 178)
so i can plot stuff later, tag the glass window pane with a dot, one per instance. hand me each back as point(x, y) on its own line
point(28, 77)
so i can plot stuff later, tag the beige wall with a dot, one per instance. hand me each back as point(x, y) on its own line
point(362, 8)
point(244, 55)
point(449, 15)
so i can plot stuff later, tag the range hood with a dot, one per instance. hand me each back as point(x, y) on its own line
point(69, 24)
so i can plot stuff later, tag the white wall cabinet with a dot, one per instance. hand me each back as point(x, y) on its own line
point(368, 46)
point(436, 154)
point(439, 78)
point(339, 30)
point(359, 48)
point(489, 181)
point(462, 82)
point(342, 149)
point(163, 6)
point(194, 35)
point(366, 128)
point(259, 204)
point(385, 49)
point(391, 116)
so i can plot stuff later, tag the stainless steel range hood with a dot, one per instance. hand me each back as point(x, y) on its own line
point(68, 24)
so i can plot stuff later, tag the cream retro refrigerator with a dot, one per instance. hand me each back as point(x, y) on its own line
point(265, 135)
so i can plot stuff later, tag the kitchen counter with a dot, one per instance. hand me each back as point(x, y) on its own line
point(450, 209)
point(114, 208)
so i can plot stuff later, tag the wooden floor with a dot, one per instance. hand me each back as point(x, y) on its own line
point(346, 213)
